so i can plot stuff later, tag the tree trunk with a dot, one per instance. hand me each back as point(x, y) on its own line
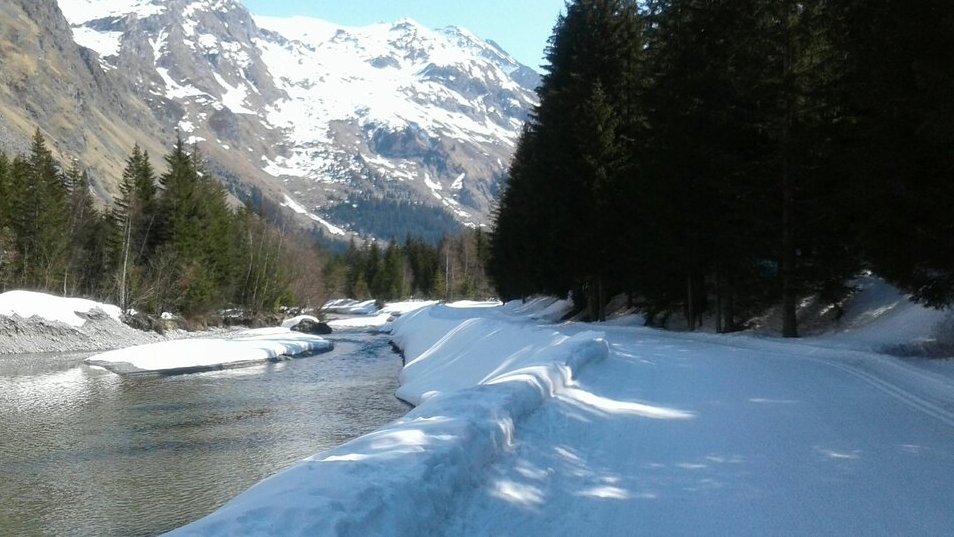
point(690, 303)
point(720, 288)
point(789, 298)
point(788, 260)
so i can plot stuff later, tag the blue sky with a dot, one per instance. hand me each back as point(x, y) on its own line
point(521, 27)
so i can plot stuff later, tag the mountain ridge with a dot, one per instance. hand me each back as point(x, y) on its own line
point(306, 120)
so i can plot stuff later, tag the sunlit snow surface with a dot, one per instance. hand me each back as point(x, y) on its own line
point(211, 352)
point(295, 206)
point(52, 308)
point(80, 11)
point(377, 76)
point(524, 427)
point(105, 43)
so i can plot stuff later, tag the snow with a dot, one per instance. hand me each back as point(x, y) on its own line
point(234, 96)
point(104, 43)
point(176, 91)
point(295, 321)
point(393, 481)
point(880, 316)
point(252, 346)
point(332, 73)
point(524, 427)
point(78, 12)
point(295, 206)
point(349, 306)
point(365, 322)
point(26, 304)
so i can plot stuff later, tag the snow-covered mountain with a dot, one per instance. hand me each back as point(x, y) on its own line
point(316, 115)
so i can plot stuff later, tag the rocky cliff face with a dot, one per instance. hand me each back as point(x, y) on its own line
point(309, 114)
point(48, 81)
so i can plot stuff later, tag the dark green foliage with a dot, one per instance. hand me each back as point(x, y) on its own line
point(560, 213)
point(181, 248)
point(388, 218)
point(88, 255)
point(40, 217)
point(723, 156)
point(899, 82)
point(8, 249)
point(454, 269)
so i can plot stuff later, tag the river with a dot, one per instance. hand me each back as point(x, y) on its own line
point(85, 452)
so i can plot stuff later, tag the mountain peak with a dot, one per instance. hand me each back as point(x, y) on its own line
point(78, 12)
point(407, 22)
point(320, 112)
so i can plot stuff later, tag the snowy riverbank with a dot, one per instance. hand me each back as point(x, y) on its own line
point(241, 349)
point(387, 482)
point(524, 427)
point(36, 322)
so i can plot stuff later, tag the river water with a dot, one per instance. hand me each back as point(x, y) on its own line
point(85, 452)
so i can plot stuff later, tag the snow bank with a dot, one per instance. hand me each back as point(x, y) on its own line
point(544, 308)
point(475, 377)
point(450, 349)
point(347, 306)
point(35, 322)
point(382, 320)
point(400, 308)
point(880, 318)
point(367, 322)
point(204, 354)
point(27, 304)
point(294, 321)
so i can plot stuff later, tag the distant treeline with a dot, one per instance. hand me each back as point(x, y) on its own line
point(724, 156)
point(168, 243)
point(376, 217)
point(452, 269)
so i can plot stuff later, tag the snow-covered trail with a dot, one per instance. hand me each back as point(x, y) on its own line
point(695, 435)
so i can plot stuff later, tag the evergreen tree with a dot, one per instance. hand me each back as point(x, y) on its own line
point(8, 253)
point(898, 130)
point(518, 256)
point(82, 273)
point(392, 278)
point(742, 168)
point(567, 172)
point(41, 218)
point(194, 221)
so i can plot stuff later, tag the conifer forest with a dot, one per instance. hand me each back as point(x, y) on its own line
point(721, 157)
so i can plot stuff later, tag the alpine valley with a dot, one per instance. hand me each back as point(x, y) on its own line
point(320, 122)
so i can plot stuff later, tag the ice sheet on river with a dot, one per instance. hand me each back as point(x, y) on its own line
point(205, 354)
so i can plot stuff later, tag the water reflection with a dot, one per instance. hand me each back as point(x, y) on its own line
point(84, 452)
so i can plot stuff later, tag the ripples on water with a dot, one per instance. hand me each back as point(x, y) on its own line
point(85, 452)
